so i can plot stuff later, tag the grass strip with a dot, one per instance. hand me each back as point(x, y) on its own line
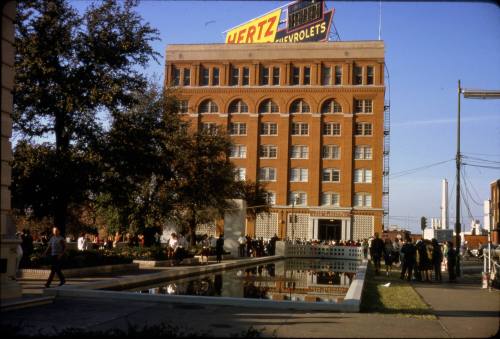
point(399, 298)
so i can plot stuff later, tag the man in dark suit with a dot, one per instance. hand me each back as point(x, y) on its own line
point(377, 249)
point(408, 252)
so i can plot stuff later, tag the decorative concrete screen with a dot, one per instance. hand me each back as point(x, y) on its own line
point(336, 266)
point(266, 225)
point(362, 227)
point(300, 227)
point(208, 229)
point(290, 250)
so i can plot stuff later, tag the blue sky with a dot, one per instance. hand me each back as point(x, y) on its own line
point(429, 46)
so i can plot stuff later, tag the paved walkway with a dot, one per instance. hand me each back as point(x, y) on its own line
point(462, 310)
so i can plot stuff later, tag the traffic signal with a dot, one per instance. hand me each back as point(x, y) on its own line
point(423, 223)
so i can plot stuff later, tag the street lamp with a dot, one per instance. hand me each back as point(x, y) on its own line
point(468, 94)
point(295, 200)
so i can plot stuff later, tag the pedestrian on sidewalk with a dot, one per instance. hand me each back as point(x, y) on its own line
point(377, 249)
point(57, 248)
point(219, 248)
point(437, 259)
point(452, 260)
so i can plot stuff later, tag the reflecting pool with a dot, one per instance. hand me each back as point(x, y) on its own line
point(312, 280)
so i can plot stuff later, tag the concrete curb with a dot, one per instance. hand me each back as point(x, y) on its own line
point(351, 303)
point(23, 303)
point(77, 272)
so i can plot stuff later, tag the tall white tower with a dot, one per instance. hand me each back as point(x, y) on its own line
point(444, 204)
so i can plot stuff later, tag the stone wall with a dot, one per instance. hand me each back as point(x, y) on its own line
point(9, 286)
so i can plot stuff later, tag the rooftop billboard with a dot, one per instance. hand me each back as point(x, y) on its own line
point(300, 21)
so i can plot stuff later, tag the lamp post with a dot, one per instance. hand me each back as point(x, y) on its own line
point(295, 200)
point(468, 94)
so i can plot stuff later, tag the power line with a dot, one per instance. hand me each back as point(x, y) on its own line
point(482, 166)
point(414, 170)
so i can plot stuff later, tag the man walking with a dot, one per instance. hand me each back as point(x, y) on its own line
point(377, 249)
point(57, 247)
point(451, 257)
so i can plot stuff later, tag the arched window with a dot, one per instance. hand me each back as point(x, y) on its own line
point(238, 106)
point(208, 106)
point(331, 106)
point(299, 106)
point(268, 106)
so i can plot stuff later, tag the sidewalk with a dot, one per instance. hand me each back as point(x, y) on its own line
point(462, 310)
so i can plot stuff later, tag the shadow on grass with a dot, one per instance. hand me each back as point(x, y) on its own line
point(398, 298)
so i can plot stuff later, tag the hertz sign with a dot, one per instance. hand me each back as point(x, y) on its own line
point(306, 21)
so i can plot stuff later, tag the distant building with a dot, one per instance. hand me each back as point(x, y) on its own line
point(307, 119)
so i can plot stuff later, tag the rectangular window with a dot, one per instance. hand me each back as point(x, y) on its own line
point(331, 128)
point(215, 76)
point(297, 198)
point(331, 175)
point(276, 76)
point(299, 152)
point(267, 174)
point(204, 76)
point(363, 128)
point(235, 74)
point(307, 75)
point(182, 106)
point(237, 128)
point(300, 128)
point(176, 76)
point(268, 151)
point(362, 200)
point(363, 176)
point(209, 127)
point(264, 76)
point(326, 75)
point(246, 76)
point(187, 77)
point(295, 75)
point(238, 151)
point(362, 153)
point(363, 106)
point(369, 75)
point(331, 152)
point(330, 199)
point(268, 128)
point(271, 198)
point(299, 174)
point(338, 75)
point(240, 174)
point(358, 75)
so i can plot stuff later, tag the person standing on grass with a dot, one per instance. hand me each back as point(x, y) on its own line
point(377, 250)
point(388, 256)
point(57, 247)
point(437, 259)
point(408, 252)
point(365, 248)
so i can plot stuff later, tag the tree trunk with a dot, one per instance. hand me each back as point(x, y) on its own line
point(62, 183)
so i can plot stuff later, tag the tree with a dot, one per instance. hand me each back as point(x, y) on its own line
point(68, 68)
point(205, 180)
point(34, 171)
point(256, 196)
point(423, 223)
point(138, 156)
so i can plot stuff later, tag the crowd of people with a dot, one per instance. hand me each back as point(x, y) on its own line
point(422, 261)
point(256, 247)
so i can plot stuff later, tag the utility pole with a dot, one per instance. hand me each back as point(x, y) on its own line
point(457, 209)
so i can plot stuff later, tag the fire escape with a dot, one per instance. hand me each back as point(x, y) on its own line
point(387, 148)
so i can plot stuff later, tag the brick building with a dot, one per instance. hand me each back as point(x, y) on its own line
point(305, 118)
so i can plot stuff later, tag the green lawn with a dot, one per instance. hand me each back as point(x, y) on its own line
point(399, 298)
